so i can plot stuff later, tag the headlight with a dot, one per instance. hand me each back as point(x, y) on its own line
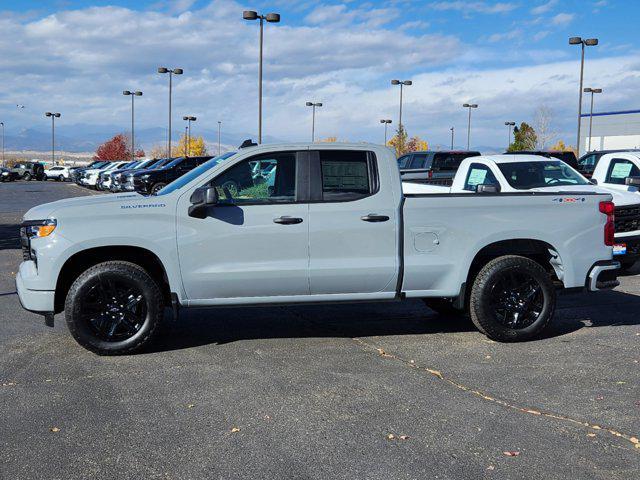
point(39, 228)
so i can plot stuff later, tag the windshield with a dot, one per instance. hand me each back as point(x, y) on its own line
point(196, 172)
point(161, 163)
point(173, 163)
point(552, 173)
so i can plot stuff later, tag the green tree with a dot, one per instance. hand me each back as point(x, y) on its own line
point(524, 138)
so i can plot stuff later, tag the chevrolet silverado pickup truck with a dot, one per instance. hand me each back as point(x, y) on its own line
point(516, 173)
point(332, 225)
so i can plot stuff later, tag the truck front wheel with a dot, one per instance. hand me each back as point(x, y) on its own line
point(114, 308)
point(512, 299)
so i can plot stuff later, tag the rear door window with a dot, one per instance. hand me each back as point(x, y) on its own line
point(346, 174)
point(621, 169)
point(403, 162)
point(479, 174)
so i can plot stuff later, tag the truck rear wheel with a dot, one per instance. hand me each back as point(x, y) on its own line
point(114, 308)
point(512, 299)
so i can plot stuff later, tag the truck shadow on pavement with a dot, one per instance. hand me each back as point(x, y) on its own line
point(197, 327)
point(9, 236)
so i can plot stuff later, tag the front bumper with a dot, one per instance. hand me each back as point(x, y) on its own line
point(38, 301)
point(603, 276)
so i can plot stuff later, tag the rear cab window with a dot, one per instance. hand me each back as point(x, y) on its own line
point(343, 175)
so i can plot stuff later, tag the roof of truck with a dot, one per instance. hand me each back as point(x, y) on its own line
point(511, 158)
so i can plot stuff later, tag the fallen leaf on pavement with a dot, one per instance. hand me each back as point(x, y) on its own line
point(190, 405)
point(591, 434)
point(235, 430)
point(391, 436)
point(404, 437)
point(54, 429)
point(491, 467)
point(511, 454)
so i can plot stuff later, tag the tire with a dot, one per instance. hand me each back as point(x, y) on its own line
point(61, 178)
point(443, 307)
point(45, 178)
point(512, 299)
point(108, 327)
point(27, 176)
point(157, 187)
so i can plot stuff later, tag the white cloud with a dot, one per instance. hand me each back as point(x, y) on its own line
point(479, 7)
point(510, 35)
point(563, 19)
point(544, 8)
point(541, 35)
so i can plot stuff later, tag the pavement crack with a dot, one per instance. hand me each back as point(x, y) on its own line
point(633, 439)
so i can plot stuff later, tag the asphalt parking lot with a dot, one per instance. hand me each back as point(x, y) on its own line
point(380, 390)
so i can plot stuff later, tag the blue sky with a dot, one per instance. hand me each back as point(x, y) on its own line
point(510, 57)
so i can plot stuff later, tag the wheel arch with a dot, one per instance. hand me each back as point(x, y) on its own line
point(84, 259)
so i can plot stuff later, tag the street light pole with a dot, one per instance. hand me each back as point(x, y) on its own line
point(171, 72)
point(386, 122)
point(188, 137)
point(53, 135)
point(133, 94)
point(469, 106)
point(452, 130)
point(591, 91)
point(4, 164)
point(589, 42)
point(509, 125)
point(313, 119)
point(219, 126)
point(271, 18)
point(400, 127)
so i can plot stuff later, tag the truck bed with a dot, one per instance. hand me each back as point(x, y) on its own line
point(443, 233)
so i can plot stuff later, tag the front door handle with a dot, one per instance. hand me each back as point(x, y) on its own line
point(287, 220)
point(372, 217)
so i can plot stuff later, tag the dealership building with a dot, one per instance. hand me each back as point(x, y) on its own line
point(611, 130)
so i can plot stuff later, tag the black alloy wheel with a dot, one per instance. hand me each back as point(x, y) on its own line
point(113, 308)
point(516, 299)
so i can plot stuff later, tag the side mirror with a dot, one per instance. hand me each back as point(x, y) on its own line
point(632, 181)
point(487, 188)
point(202, 198)
point(593, 181)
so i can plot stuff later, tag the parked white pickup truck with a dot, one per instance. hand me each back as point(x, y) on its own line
point(333, 225)
point(533, 173)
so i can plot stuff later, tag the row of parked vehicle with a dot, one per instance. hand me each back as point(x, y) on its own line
point(34, 171)
point(613, 172)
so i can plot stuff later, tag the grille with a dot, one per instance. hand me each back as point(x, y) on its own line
point(627, 219)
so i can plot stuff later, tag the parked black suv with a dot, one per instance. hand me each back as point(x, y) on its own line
point(151, 181)
point(440, 166)
point(28, 170)
point(587, 162)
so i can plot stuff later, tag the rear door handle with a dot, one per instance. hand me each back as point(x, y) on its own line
point(372, 217)
point(287, 220)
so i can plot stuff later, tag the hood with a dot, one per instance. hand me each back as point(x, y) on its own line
point(620, 198)
point(47, 210)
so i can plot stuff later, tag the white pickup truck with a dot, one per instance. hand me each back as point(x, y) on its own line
point(533, 173)
point(333, 225)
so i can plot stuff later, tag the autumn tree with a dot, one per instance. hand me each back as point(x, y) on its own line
point(560, 146)
point(524, 138)
point(543, 124)
point(158, 151)
point(402, 144)
point(194, 147)
point(115, 149)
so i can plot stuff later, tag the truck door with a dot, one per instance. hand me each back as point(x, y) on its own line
point(352, 224)
point(255, 242)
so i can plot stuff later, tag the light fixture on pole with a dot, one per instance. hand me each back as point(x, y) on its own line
point(53, 134)
point(188, 137)
point(171, 72)
point(588, 42)
point(452, 130)
point(313, 119)
point(469, 106)
point(386, 122)
point(271, 18)
point(219, 127)
point(133, 94)
point(591, 91)
point(509, 126)
point(400, 127)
